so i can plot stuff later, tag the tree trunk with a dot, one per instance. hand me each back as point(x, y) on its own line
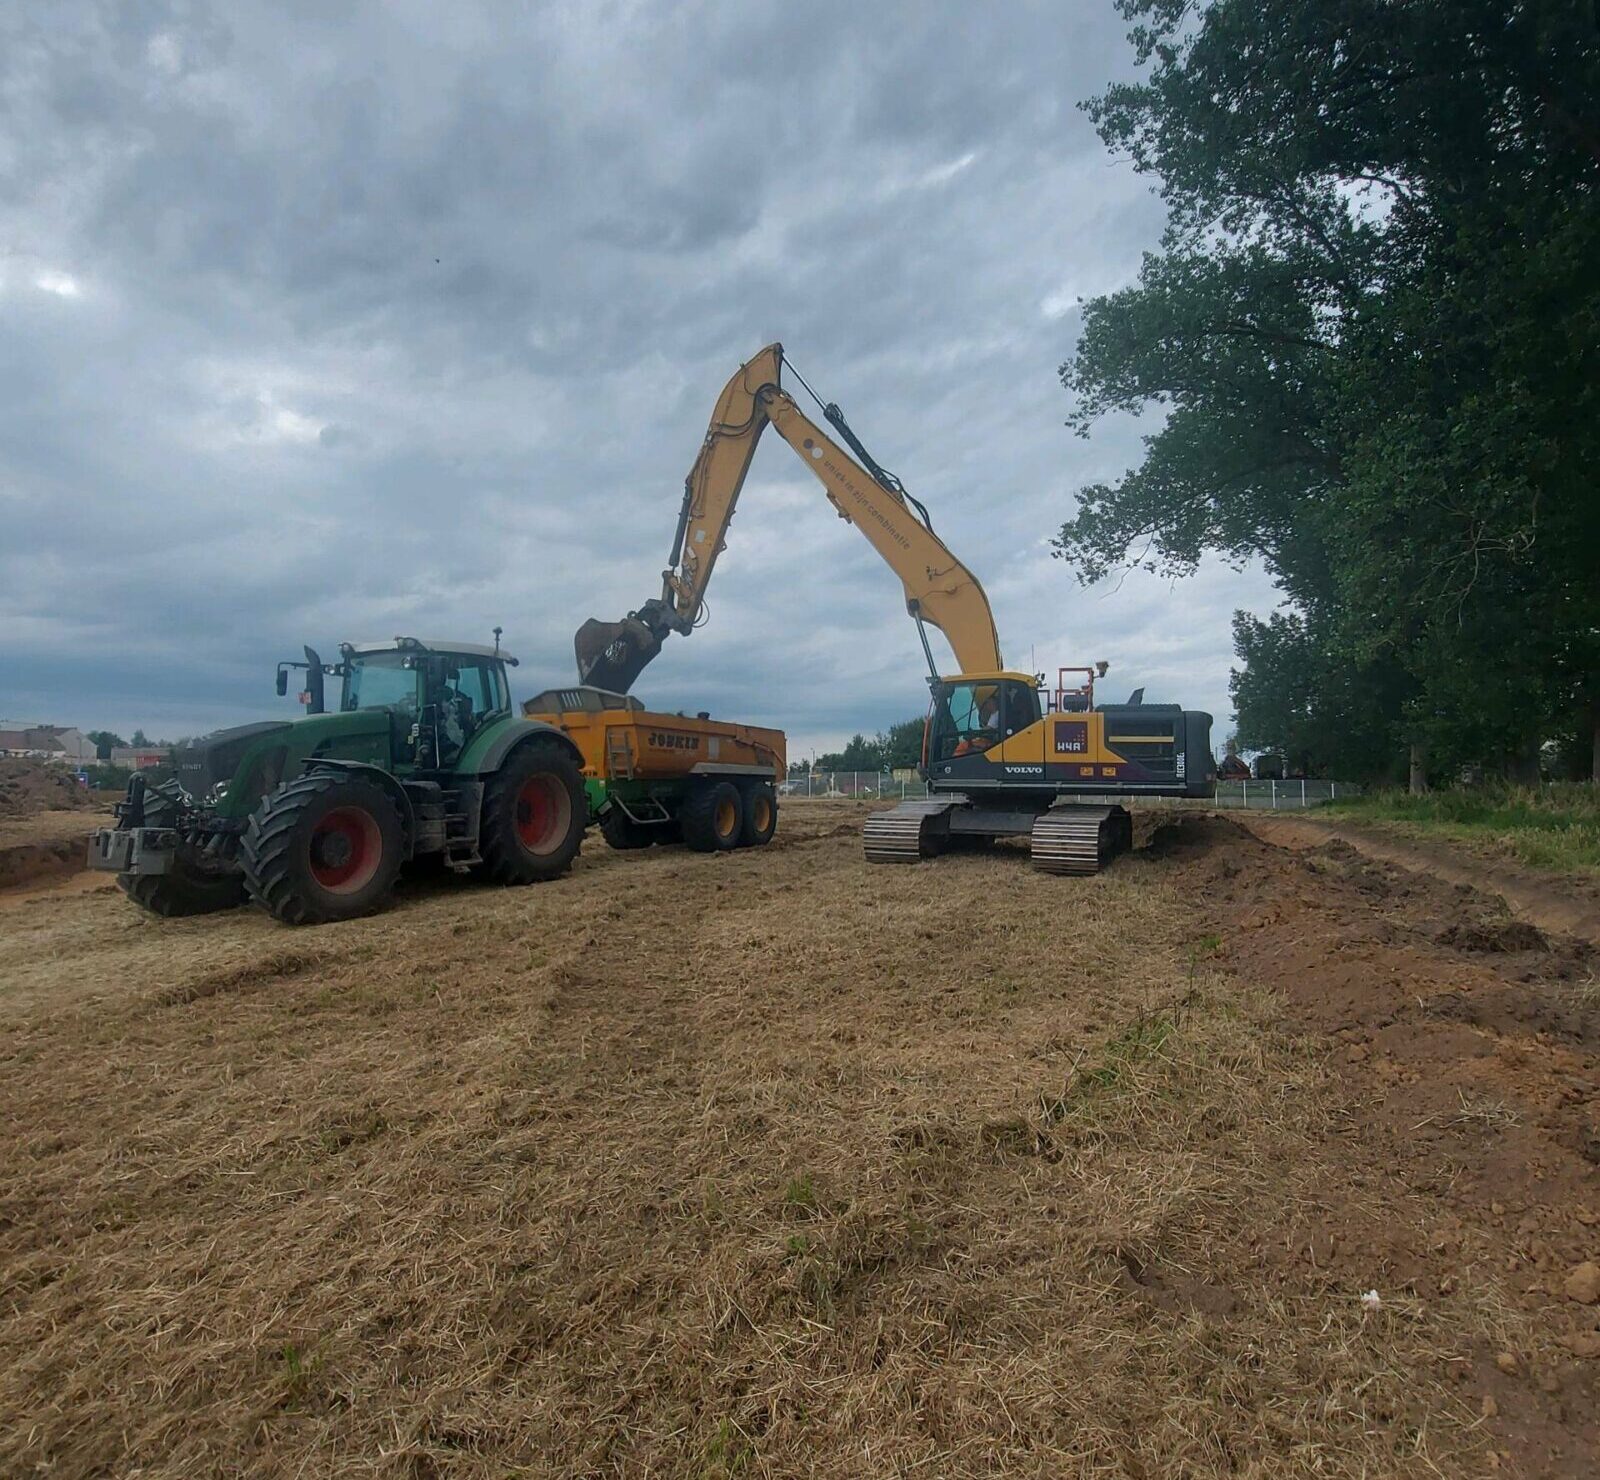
point(1522, 765)
point(1419, 772)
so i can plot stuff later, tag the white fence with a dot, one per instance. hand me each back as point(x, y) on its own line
point(872, 786)
point(1281, 795)
point(868, 786)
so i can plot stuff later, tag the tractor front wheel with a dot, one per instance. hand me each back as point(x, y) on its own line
point(325, 847)
point(186, 890)
point(534, 814)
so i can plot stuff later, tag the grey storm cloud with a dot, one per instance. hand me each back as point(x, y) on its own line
point(322, 322)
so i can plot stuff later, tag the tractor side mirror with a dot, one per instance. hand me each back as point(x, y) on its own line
point(283, 680)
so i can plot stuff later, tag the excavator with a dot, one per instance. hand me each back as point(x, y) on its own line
point(1004, 754)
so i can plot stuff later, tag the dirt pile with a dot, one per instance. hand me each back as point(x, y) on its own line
point(30, 786)
point(1467, 1046)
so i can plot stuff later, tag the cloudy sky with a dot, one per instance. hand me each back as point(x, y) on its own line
point(321, 322)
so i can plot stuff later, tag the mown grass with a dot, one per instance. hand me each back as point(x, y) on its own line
point(1554, 827)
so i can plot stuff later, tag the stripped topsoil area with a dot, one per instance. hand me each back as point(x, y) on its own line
point(1465, 1043)
point(773, 1164)
point(46, 817)
point(45, 844)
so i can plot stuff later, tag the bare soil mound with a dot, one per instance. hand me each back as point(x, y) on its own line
point(1564, 903)
point(26, 863)
point(46, 844)
point(29, 786)
point(1468, 1043)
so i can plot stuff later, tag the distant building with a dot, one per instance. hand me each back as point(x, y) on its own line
point(58, 744)
point(138, 757)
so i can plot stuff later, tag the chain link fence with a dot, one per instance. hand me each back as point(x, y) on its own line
point(873, 786)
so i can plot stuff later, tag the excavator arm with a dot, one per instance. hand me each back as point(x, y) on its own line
point(939, 590)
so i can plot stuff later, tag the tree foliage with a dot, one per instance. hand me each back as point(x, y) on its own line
point(897, 748)
point(105, 741)
point(1373, 332)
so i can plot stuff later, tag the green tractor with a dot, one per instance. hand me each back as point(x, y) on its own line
point(422, 762)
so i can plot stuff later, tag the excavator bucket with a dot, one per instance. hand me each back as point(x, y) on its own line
point(611, 655)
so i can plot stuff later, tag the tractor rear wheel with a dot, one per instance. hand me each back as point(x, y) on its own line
point(185, 890)
point(760, 815)
point(324, 847)
point(622, 832)
point(534, 814)
point(713, 817)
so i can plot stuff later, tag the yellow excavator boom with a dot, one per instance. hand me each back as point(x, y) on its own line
point(939, 590)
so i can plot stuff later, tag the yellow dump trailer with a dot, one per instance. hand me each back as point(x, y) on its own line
point(666, 778)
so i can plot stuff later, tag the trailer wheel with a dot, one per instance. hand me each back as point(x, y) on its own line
point(186, 890)
point(713, 817)
point(534, 814)
point(622, 833)
point(760, 815)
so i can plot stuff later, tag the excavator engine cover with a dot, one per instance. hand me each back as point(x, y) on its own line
point(611, 655)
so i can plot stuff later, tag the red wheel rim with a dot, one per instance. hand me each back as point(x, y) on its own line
point(543, 812)
point(346, 849)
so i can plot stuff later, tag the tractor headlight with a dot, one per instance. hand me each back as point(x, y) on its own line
point(217, 795)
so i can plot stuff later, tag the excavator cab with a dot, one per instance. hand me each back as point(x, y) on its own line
point(974, 713)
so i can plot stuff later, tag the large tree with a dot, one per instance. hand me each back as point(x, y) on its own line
point(1373, 334)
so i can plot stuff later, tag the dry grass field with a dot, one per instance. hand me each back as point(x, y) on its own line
point(770, 1164)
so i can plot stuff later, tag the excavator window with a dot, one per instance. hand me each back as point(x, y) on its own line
point(969, 718)
point(966, 720)
point(1019, 706)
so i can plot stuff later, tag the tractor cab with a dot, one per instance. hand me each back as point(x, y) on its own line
point(439, 694)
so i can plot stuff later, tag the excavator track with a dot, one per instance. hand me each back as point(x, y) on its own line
point(902, 834)
point(1079, 840)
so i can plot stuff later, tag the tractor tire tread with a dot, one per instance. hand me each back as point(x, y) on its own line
point(179, 895)
point(503, 859)
point(269, 870)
